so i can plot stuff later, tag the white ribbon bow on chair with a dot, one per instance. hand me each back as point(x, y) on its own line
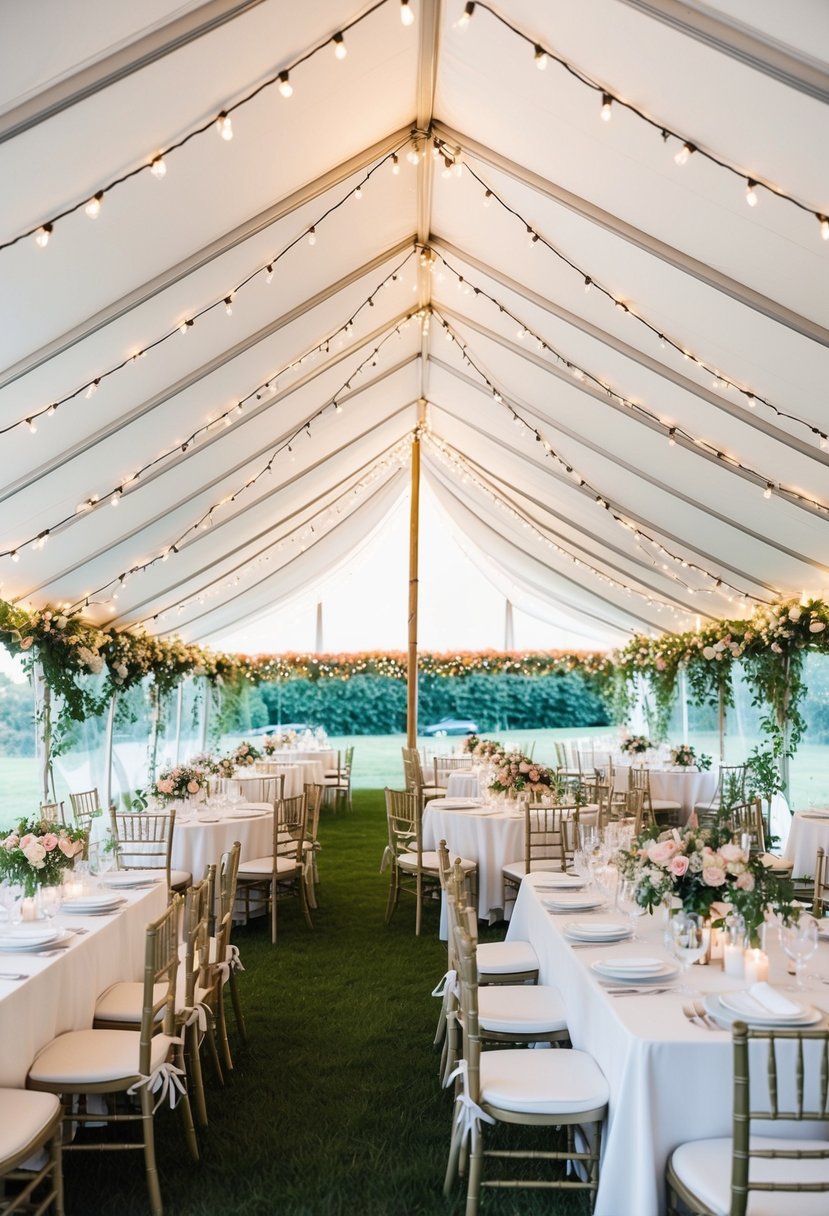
point(468, 1114)
point(387, 858)
point(197, 1013)
point(165, 1081)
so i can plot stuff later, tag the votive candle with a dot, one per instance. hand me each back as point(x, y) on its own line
point(733, 959)
point(756, 964)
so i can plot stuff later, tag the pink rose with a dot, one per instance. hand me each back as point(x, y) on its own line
point(12, 841)
point(193, 787)
point(731, 852)
point(26, 840)
point(165, 786)
point(678, 866)
point(49, 841)
point(661, 852)
point(25, 643)
point(67, 846)
point(745, 881)
point(713, 876)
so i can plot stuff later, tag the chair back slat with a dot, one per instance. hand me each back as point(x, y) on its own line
point(160, 967)
point(547, 834)
point(820, 901)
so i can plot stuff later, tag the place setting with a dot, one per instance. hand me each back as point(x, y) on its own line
point(761, 1005)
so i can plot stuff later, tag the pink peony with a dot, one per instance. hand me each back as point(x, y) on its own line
point(26, 840)
point(49, 841)
point(713, 876)
point(34, 853)
point(165, 785)
point(661, 852)
point(678, 866)
point(193, 787)
point(12, 841)
point(731, 852)
point(67, 846)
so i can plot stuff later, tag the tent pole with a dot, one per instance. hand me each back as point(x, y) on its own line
point(318, 631)
point(721, 725)
point(43, 736)
point(414, 536)
point(205, 722)
point(110, 729)
point(179, 702)
point(509, 627)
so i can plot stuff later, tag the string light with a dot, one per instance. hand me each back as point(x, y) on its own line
point(42, 235)
point(285, 86)
point(93, 207)
point(395, 164)
point(224, 126)
point(406, 14)
point(312, 235)
point(540, 57)
point(683, 155)
point(824, 227)
point(340, 49)
point(158, 167)
point(607, 112)
point(466, 16)
point(665, 340)
point(751, 192)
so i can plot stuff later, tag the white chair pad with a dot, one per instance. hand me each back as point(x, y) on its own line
point(122, 1002)
point(516, 869)
point(704, 1167)
point(429, 861)
point(94, 1057)
point(542, 1082)
point(502, 958)
point(665, 804)
point(521, 1008)
point(262, 867)
point(24, 1117)
point(772, 862)
point(181, 878)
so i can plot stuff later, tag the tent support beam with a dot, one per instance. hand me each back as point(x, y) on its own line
point(742, 44)
point(638, 238)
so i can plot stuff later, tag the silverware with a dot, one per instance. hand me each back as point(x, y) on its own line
point(637, 991)
point(598, 945)
point(697, 1015)
point(12, 975)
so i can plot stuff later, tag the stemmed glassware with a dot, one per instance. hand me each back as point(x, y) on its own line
point(799, 939)
point(51, 898)
point(628, 903)
point(688, 936)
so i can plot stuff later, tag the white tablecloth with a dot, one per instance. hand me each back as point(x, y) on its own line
point(197, 844)
point(808, 832)
point(61, 991)
point(463, 785)
point(670, 1081)
point(294, 776)
point(685, 786)
point(325, 757)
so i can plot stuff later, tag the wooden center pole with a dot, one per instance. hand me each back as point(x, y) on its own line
point(414, 536)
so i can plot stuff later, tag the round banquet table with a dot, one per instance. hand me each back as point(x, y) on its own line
point(244, 781)
point(492, 836)
point(687, 786)
point(463, 785)
point(808, 832)
point(198, 842)
point(325, 757)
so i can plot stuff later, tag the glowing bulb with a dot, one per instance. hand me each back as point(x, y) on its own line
point(30, 422)
point(465, 17)
point(340, 49)
point(224, 126)
point(42, 236)
point(312, 235)
point(540, 57)
point(93, 207)
point(487, 198)
point(116, 498)
point(768, 490)
point(229, 305)
point(751, 192)
point(406, 14)
point(358, 193)
point(285, 86)
point(14, 555)
point(607, 102)
point(158, 168)
point(269, 275)
point(824, 227)
point(683, 154)
point(671, 437)
point(413, 154)
point(395, 164)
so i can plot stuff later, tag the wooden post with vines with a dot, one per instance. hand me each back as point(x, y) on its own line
point(155, 713)
point(721, 716)
point(108, 752)
point(43, 736)
point(784, 728)
point(179, 707)
point(205, 721)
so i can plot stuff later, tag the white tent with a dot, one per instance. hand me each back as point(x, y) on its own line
point(239, 350)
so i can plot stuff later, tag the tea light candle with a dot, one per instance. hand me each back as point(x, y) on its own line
point(73, 888)
point(717, 944)
point(733, 955)
point(29, 908)
point(756, 965)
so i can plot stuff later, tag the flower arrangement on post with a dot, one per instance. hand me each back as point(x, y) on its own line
point(635, 745)
point(684, 756)
point(37, 852)
point(183, 781)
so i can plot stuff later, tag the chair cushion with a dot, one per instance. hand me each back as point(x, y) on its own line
point(122, 1002)
point(521, 1009)
point(502, 958)
point(665, 804)
point(778, 864)
point(94, 1057)
point(24, 1118)
point(542, 1082)
point(262, 867)
point(704, 1167)
point(181, 878)
point(429, 861)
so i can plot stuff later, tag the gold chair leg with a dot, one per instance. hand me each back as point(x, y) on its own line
point(194, 1071)
point(149, 1151)
point(237, 1007)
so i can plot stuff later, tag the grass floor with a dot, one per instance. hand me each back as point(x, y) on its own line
point(334, 1106)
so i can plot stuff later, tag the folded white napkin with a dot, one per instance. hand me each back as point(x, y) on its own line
point(774, 1002)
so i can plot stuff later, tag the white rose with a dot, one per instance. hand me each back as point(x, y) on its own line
point(95, 664)
point(35, 853)
point(61, 622)
point(708, 652)
point(817, 627)
point(794, 614)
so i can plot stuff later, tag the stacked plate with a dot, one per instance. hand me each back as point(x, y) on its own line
point(31, 937)
point(558, 882)
point(89, 903)
point(742, 1006)
point(573, 901)
point(459, 804)
point(124, 879)
point(248, 812)
point(634, 970)
point(597, 931)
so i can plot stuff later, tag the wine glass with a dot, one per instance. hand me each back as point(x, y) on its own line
point(51, 898)
point(688, 937)
point(627, 901)
point(799, 938)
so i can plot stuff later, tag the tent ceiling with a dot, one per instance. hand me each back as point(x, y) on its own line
point(549, 409)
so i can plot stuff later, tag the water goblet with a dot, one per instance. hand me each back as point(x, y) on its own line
point(51, 898)
point(627, 901)
point(799, 938)
point(688, 937)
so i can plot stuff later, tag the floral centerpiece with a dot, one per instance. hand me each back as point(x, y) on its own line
point(245, 755)
point(207, 762)
point(485, 749)
point(517, 772)
point(684, 756)
point(635, 745)
point(183, 781)
point(271, 744)
point(701, 867)
point(37, 852)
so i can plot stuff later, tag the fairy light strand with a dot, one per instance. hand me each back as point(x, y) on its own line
point(688, 146)
point(716, 581)
point(216, 424)
point(721, 381)
point(92, 203)
point(224, 300)
point(334, 403)
point(672, 431)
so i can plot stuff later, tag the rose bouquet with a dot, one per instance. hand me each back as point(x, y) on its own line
point(271, 744)
point(207, 762)
point(684, 756)
point(486, 749)
point(183, 781)
point(37, 852)
point(244, 755)
point(635, 745)
point(515, 771)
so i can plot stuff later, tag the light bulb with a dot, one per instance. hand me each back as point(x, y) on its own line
point(607, 102)
point(683, 154)
point(406, 14)
point(158, 168)
point(395, 164)
point(751, 192)
point(824, 227)
point(312, 235)
point(465, 16)
point(31, 425)
point(540, 56)
point(42, 236)
point(116, 498)
point(14, 555)
point(413, 155)
point(224, 126)
point(768, 490)
point(671, 437)
point(340, 49)
point(269, 275)
point(487, 198)
point(93, 207)
point(358, 193)
point(285, 86)
point(229, 305)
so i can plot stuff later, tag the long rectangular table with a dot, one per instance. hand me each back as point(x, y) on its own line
point(60, 992)
point(670, 1081)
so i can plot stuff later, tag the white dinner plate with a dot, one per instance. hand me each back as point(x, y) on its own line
point(614, 969)
point(567, 902)
point(743, 1005)
point(725, 1018)
point(458, 804)
point(558, 882)
point(27, 937)
point(600, 931)
point(92, 903)
point(130, 878)
point(251, 813)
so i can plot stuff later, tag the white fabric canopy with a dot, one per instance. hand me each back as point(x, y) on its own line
point(91, 95)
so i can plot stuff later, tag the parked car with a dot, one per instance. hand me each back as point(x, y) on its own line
point(451, 726)
point(299, 728)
